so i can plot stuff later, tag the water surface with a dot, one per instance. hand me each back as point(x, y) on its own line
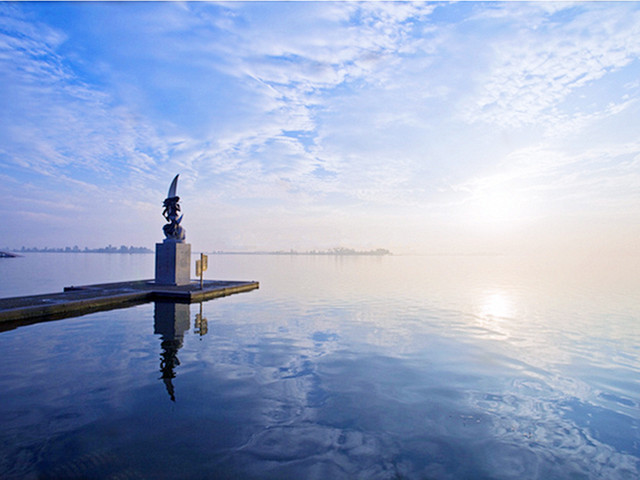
point(337, 367)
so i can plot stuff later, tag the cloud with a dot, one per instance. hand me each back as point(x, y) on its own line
point(544, 181)
point(542, 63)
point(55, 120)
point(282, 76)
point(285, 63)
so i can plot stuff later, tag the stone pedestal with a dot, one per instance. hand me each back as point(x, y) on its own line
point(173, 263)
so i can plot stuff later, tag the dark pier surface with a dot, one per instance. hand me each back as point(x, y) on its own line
point(90, 298)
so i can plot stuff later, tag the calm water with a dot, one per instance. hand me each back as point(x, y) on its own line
point(338, 367)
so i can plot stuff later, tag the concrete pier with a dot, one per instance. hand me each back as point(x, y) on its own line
point(79, 300)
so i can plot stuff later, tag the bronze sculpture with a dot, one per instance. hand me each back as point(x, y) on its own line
point(173, 231)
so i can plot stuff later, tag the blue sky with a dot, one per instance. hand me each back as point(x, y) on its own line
point(419, 127)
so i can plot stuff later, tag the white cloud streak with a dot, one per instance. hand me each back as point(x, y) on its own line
point(542, 63)
point(53, 119)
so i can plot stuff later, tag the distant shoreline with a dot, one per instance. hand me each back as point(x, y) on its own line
point(333, 252)
point(143, 250)
point(121, 250)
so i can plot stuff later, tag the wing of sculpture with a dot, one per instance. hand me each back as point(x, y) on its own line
point(173, 187)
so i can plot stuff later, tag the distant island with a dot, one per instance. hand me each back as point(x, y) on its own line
point(333, 251)
point(76, 249)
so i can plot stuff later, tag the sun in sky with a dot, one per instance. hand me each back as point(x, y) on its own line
point(417, 127)
point(497, 208)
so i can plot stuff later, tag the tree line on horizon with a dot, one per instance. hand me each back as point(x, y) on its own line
point(332, 251)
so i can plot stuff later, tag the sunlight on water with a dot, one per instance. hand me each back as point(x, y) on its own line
point(495, 314)
point(496, 305)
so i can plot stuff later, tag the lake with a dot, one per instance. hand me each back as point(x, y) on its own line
point(338, 367)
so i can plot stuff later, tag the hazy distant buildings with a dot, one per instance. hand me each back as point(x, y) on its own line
point(76, 249)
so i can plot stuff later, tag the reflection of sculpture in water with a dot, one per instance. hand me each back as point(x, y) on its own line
point(173, 230)
point(171, 320)
point(168, 361)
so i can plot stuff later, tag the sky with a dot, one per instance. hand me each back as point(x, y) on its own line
point(426, 128)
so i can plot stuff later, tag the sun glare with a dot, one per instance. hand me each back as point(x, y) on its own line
point(496, 208)
point(495, 311)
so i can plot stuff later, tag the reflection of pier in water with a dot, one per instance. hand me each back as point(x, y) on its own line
point(171, 321)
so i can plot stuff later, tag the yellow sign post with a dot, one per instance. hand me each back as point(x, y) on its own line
point(201, 267)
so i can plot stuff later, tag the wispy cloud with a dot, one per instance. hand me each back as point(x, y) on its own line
point(544, 61)
point(54, 120)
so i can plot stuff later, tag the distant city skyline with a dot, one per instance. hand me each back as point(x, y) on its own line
point(76, 249)
point(507, 127)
